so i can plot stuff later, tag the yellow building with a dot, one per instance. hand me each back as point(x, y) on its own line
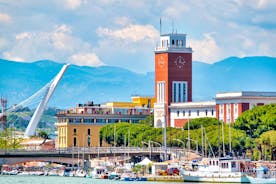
point(80, 126)
point(140, 101)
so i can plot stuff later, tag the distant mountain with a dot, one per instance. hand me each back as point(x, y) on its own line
point(233, 74)
point(78, 85)
point(101, 84)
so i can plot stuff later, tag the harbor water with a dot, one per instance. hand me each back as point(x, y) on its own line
point(67, 180)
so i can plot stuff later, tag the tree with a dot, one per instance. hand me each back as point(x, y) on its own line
point(149, 120)
point(257, 120)
point(264, 145)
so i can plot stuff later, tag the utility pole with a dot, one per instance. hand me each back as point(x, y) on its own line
point(4, 115)
point(189, 143)
point(230, 141)
point(223, 144)
point(202, 141)
point(165, 137)
point(218, 138)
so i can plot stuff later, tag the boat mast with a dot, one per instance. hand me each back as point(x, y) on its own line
point(219, 139)
point(230, 141)
point(202, 141)
point(223, 145)
point(189, 141)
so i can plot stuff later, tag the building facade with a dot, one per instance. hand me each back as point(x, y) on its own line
point(229, 106)
point(181, 113)
point(80, 126)
point(173, 75)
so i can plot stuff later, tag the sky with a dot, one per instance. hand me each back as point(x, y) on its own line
point(124, 33)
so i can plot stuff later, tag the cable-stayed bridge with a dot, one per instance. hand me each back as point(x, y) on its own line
point(42, 97)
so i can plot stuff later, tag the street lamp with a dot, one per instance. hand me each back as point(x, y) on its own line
point(196, 144)
point(159, 145)
point(148, 144)
point(182, 143)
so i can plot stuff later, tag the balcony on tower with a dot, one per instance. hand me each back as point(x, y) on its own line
point(173, 42)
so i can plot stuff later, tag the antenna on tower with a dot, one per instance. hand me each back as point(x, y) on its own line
point(160, 31)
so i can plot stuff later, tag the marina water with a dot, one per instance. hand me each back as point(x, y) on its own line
point(67, 180)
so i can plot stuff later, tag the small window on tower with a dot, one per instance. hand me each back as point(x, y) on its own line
point(172, 42)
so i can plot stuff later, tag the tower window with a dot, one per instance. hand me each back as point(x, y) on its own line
point(75, 131)
point(88, 131)
point(206, 112)
point(160, 92)
point(179, 91)
point(183, 113)
point(177, 113)
point(88, 141)
point(172, 42)
point(197, 112)
point(75, 141)
point(189, 112)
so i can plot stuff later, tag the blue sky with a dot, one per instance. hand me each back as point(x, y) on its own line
point(124, 33)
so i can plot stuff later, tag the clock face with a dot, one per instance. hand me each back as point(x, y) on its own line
point(180, 62)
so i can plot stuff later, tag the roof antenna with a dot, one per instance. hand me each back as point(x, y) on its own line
point(160, 31)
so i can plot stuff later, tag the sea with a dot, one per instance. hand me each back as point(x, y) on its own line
point(5, 179)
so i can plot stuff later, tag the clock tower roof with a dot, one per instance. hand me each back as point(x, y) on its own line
point(173, 42)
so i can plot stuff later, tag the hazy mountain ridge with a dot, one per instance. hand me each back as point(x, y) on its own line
point(107, 83)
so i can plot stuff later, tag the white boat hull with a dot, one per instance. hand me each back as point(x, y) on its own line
point(194, 176)
point(261, 180)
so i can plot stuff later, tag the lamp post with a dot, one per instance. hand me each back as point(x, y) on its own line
point(159, 145)
point(196, 144)
point(182, 143)
point(148, 144)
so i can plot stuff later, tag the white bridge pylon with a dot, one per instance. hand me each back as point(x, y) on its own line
point(30, 131)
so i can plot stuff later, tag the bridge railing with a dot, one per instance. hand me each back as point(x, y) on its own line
point(93, 150)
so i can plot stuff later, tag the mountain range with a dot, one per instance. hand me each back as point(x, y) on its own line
point(80, 84)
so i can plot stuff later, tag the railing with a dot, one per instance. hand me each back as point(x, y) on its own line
point(88, 150)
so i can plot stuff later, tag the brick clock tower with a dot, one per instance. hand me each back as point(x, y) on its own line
point(173, 75)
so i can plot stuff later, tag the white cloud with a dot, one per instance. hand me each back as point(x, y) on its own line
point(5, 18)
point(86, 59)
point(58, 44)
point(8, 56)
point(176, 10)
point(131, 33)
point(122, 21)
point(73, 4)
point(206, 50)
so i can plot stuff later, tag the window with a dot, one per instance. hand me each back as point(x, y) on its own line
point(160, 92)
point(197, 112)
point(172, 42)
point(174, 92)
point(75, 141)
point(177, 113)
point(206, 112)
point(179, 91)
point(236, 108)
point(183, 113)
point(88, 140)
point(75, 131)
point(221, 109)
point(88, 131)
point(189, 112)
point(212, 112)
